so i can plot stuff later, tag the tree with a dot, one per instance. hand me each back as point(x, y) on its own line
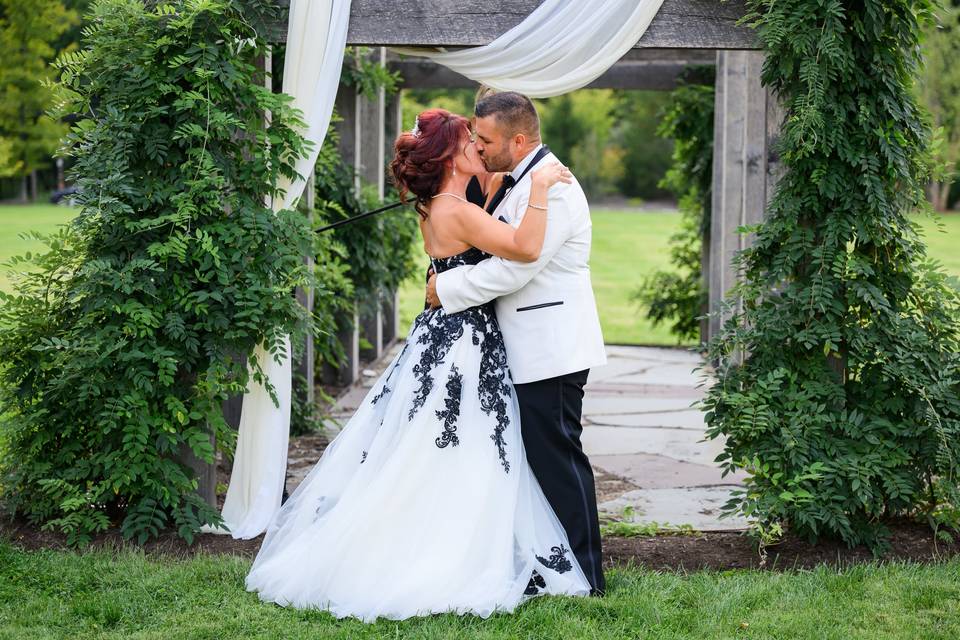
point(578, 128)
point(646, 155)
point(940, 92)
point(28, 31)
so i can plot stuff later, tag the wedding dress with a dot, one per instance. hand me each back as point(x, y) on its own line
point(424, 503)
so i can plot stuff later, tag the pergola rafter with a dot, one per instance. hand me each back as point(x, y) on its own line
point(656, 70)
point(683, 24)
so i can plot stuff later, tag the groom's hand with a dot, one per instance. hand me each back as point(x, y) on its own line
point(432, 298)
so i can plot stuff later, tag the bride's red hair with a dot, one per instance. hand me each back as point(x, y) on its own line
point(420, 160)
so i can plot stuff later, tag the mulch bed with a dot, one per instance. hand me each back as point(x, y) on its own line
point(719, 550)
point(722, 550)
point(715, 550)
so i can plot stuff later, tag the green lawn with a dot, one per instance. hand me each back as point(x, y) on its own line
point(626, 246)
point(16, 220)
point(107, 596)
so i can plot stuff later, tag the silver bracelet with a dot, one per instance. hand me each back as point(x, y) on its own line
point(534, 206)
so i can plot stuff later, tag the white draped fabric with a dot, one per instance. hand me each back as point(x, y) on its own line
point(316, 34)
point(562, 46)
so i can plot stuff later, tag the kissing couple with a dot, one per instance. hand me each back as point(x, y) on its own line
point(460, 483)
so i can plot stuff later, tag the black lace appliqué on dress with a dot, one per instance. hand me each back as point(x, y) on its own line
point(558, 560)
point(386, 389)
point(536, 583)
point(441, 331)
point(451, 414)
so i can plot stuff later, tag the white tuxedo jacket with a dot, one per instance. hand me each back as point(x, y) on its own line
point(546, 309)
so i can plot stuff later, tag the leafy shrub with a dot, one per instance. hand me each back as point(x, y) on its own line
point(839, 381)
point(125, 335)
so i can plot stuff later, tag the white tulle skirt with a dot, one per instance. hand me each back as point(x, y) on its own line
point(424, 503)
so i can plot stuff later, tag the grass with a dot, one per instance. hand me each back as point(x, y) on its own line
point(18, 219)
point(104, 595)
point(626, 246)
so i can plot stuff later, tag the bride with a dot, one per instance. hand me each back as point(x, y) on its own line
point(425, 503)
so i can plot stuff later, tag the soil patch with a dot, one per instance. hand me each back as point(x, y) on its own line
point(716, 550)
point(723, 550)
point(713, 550)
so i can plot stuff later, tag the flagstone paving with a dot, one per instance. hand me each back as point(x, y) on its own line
point(642, 431)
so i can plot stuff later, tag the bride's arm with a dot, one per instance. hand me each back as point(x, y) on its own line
point(474, 226)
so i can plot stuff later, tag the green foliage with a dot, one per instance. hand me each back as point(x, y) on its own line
point(839, 378)
point(940, 93)
point(579, 128)
point(459, 101)
point(363, 70)
point(645, 153)
point(29, 31)
point(679, 295)
point(646, 529)
point(128, 331)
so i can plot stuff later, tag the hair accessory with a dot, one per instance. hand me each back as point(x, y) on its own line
point(415, 132)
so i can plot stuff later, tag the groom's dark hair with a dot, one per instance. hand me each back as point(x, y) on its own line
point(514, 111)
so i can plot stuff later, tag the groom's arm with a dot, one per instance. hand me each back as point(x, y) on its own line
point(473, 285)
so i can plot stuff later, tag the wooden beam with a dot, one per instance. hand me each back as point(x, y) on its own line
point(419, 73)
point(698, 24)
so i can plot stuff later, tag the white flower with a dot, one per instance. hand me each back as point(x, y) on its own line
point(416, 128)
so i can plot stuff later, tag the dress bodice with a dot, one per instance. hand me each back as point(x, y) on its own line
point(470, 256)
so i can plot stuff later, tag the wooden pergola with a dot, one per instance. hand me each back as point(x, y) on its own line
point(684, 33)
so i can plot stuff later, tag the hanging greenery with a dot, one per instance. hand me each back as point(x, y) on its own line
point(839, 381)
point(126, 334)
point(679, 295)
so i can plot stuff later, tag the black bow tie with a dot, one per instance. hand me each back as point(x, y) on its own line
point(506, 185)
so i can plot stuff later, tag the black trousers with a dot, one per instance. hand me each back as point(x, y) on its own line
point(550, 413)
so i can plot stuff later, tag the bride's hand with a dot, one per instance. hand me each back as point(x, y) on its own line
point(551, 174)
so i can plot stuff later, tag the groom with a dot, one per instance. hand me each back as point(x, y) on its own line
point(547, 314)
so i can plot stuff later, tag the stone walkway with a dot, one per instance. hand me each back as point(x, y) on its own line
point(640, 425)
point(645, 440)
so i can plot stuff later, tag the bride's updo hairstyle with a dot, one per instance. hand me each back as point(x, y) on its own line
point(422, 154)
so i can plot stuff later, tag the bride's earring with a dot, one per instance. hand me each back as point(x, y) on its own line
point(454, 169)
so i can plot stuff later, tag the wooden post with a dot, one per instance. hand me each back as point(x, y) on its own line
point(348, 107)
point(205, 473)
point(393, 125)
point(742, 170)
point(371, 167)
point(304, 366)
point(349, 336)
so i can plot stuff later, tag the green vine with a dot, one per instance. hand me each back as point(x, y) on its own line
point(126, 334)
point(362, 69)
point(839, 381)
